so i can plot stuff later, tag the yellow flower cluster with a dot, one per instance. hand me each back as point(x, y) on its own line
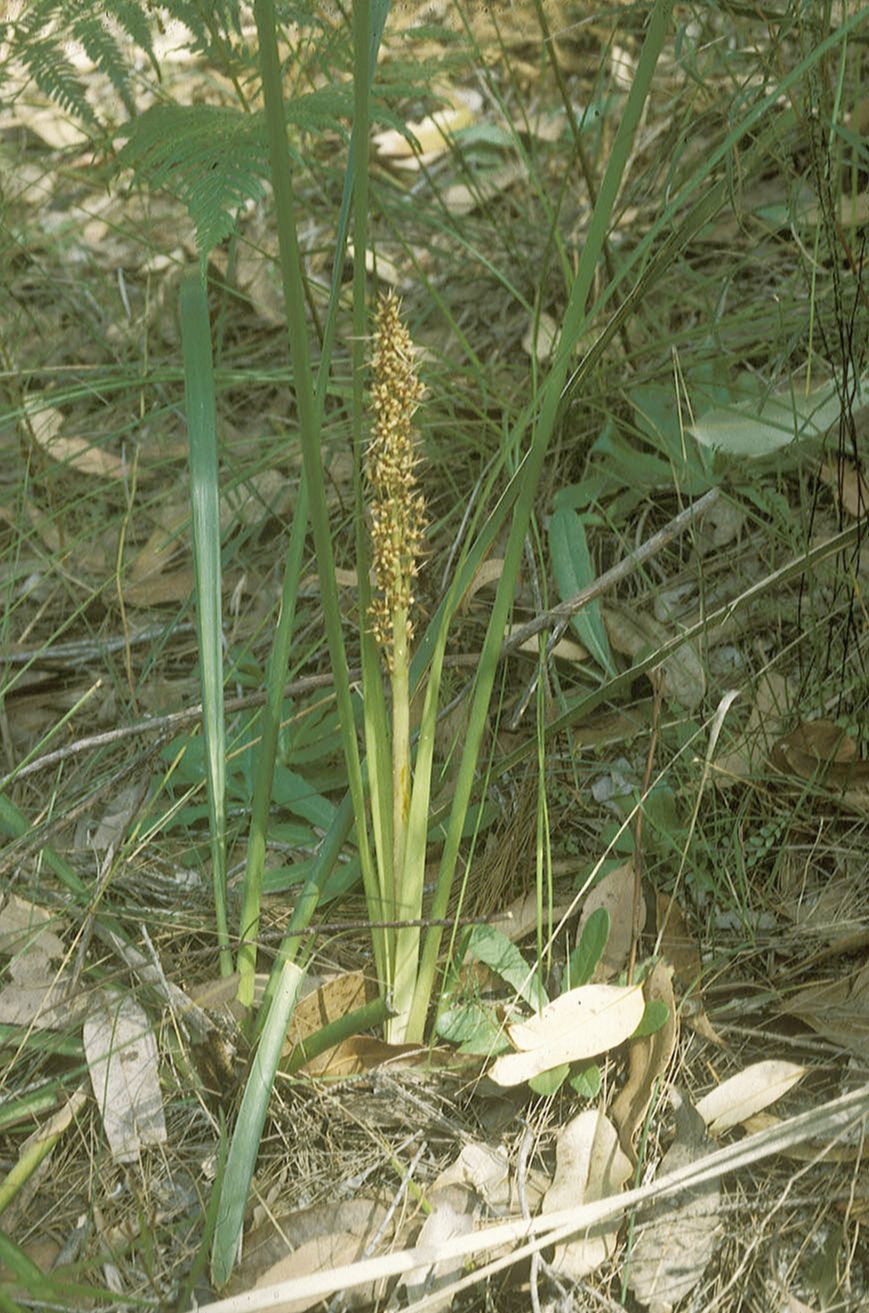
point(397, 509)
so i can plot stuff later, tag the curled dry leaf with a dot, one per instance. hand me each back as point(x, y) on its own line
point(308, 1241)
point(674, 1245)
point(432, 133)
point(579, 1024)
point(490, 572)
point(452, 1215)
point(648, 1059)
point(745, 758)
point(589, 1165)
point(747, 1093)
point(821, 750)
point(615, 893)
point(80, 454)
point(838, 1010)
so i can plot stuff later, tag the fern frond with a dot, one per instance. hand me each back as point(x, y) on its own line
point(56, 78)
point(103, 50)
point(213, 159)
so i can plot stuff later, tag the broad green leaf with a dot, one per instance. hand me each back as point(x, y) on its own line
point(655, 1016)
point(550, 1082)
point(587, 1082)
point(589, 950)
point(473, 1027)
point(295, 793)
point(492, 947)
point(573, 570)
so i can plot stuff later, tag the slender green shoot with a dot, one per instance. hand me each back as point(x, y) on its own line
point(202, 449)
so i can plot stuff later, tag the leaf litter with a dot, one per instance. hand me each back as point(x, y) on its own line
point(790, 749)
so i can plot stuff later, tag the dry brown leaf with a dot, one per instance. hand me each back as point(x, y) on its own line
point(849, 485)
point(578, 1024)
point(589, 1165)
point(821, 750)
point(805, 1153)
point(683, 673)
point(271, 1241)
point(79, 454)
point(674, 1245)
point(333, 999)
point(320, 1254)
point(703, 1027)
point(165, 543)
point(519, 918)
point(160, 589)
point(363, 1052)
point(25, 926)
point(677, 943)
point(121, 1054)
point(648, 1059)
point(748, 1092)
point(452, 1214)
point(615, 893)
point(838, 1010)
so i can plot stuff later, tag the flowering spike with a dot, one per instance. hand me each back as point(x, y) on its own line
point(397, 509)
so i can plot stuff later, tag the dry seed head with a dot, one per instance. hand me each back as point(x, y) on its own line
point(397, 509)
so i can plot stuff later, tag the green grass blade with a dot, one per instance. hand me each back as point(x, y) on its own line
point(202, 448)
point(265, 760)
point(309, 425)
point(248, 1129)
point(280, 656)
point(573, 326)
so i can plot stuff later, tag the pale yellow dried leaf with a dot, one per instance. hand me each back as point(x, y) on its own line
point(747, 1093)
point(80, 454)
point(121, 1054)
point(579, 1024)
point(484, 1169)
point(433, 132)
point(541, 338)
point(589, 1165)
point(24, 926)
point(461, 199)
point(648, 1057)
